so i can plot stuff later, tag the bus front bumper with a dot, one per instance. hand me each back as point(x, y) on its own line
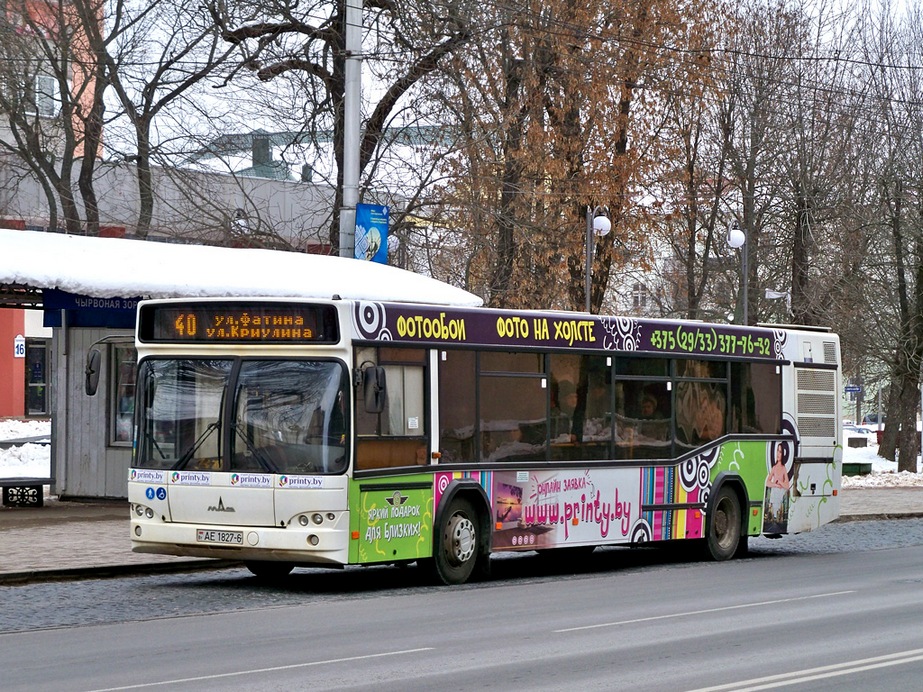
point(308, 545)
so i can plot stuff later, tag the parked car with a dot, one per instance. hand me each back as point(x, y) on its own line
point(872, 419)
point(860, 431)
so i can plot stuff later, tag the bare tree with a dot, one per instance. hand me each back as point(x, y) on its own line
point(307, 42)
point(153, 55)
point(688, 187)
point(51, 96)
point(891, 41)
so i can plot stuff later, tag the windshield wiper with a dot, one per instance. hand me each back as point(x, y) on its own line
point(187, 455)
point(257, 453)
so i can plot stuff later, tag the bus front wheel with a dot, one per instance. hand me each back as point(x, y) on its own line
point(724, 526)
point(457, 545)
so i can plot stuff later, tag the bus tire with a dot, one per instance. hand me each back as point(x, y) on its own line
point(267, 569)
point(724, 525)
point(456, 549)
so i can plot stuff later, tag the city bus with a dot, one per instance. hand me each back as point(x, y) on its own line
point(286, 433)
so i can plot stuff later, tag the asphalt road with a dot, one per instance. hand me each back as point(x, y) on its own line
point(838, 608)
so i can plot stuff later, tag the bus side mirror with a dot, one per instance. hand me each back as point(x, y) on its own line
point(92, 371)
point(373, 385)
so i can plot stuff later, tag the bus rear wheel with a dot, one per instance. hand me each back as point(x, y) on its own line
point(265, 569)
point(724, 526)
point(457, 545)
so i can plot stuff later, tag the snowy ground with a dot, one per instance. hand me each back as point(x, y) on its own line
point(26, 461)
point(33, 460)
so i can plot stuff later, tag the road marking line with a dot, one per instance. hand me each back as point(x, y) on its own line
point(810, 674)
point(218, 676)
point(701, 612)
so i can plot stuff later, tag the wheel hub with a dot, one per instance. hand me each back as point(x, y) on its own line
point(721, 523)
point(460, 539)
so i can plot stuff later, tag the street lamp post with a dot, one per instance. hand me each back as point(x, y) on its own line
point(737, 239)
point(597, 224)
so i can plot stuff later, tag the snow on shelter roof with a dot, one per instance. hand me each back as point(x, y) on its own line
point(117, 267)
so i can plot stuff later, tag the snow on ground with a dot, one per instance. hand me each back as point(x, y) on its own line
point(29, 460)
point(884, 473)
point(33, 460)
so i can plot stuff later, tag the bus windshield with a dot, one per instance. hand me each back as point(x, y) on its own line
point(284, 416)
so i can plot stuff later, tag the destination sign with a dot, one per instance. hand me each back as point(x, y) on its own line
point(239, 322)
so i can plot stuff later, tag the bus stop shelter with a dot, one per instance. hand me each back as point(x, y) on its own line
point(89, 288)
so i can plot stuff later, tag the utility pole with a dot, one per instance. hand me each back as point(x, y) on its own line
point(352, 97)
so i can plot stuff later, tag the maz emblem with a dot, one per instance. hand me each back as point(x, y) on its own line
point(220, 507)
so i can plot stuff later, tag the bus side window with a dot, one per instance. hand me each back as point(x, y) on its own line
point(457, 405)
point(396, 436)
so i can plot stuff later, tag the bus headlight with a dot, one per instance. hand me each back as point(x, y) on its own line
point(303, 520)
point(317, 518)
point(313, 539)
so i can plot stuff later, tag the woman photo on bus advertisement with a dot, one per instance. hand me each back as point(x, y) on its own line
point(775, 514)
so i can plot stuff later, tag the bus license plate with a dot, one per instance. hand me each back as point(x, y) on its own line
point(215, 536)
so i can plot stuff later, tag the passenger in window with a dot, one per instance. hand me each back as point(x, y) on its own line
point(597, 416)
point(567, 397)
point(648, 407)
point(597, 399)
point(511, 445)
point(653, 424)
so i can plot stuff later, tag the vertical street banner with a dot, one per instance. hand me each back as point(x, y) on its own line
point(372, 233)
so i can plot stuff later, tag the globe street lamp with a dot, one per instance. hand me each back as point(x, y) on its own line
point(597, 224)
point(737, 239)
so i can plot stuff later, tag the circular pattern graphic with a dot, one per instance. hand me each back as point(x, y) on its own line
point(370, 317)
point(442, 484)
point(641, 532)
point(689, 473)
point(779, 339)
point(704, 473)
point(627, 329)
point(695, 472)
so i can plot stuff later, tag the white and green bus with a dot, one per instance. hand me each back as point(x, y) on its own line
point(288, 433)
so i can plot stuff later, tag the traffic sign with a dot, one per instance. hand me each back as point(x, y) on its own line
point(853, 389)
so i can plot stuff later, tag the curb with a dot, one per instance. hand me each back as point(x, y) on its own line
point(880, 516)
point(114, 571)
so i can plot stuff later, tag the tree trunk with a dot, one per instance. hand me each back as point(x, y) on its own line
point(145, 181)
point(888, 447)
point(907, 437)
point(801, 257)
point(512, 172)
